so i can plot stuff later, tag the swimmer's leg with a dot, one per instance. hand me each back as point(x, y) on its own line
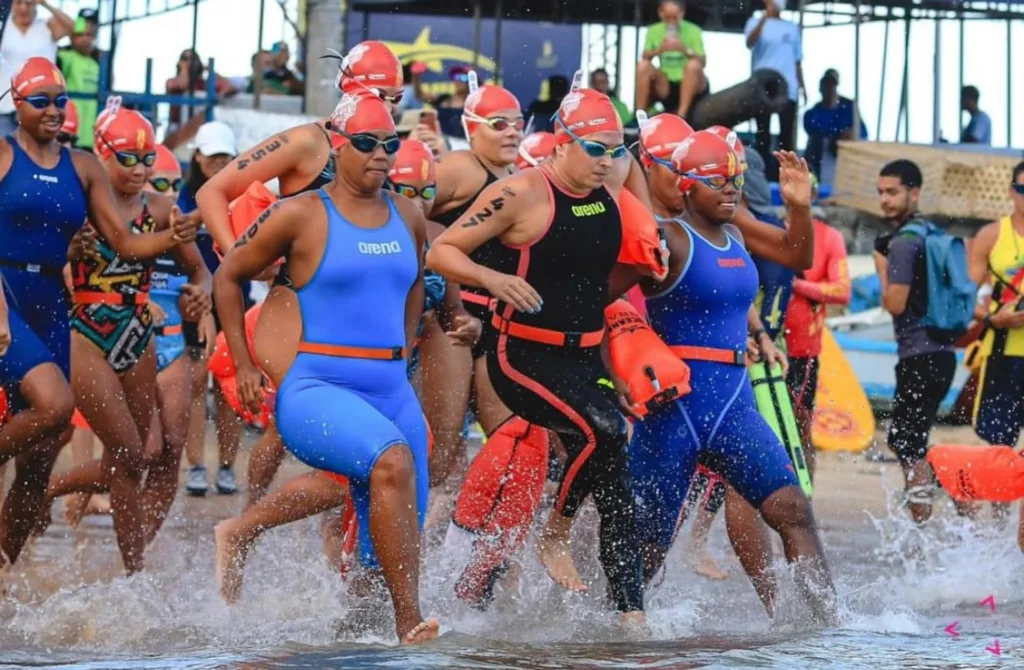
point(712, 497)
point(264, 460)
point(299, 498)
point(195, 445)
point(120, 410)
point(48, 407)
point(229, 437)
point(753, 460)
point(447, 369)
point(173, 404)
point(749, 538)
point(24, 501)
point(83, 442)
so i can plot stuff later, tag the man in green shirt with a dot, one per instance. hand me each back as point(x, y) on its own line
point(600, 82)
point(678, 81)
point(82, 71)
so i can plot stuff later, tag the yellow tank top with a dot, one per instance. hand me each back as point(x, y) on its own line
point(1006, 259)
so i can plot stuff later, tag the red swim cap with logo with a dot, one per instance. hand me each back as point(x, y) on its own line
point(370, 64)
point(733, 139)
point(123, 130)
point(360, 113)
point(705, 154)
point(70, 125)
point(535, 149)
point(166, 162)
point(35, 74)
point(660, 136)
point(585, 112)
point(414, 162)
point(484, 103)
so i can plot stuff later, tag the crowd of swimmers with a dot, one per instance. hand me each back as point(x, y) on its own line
point(410, 296)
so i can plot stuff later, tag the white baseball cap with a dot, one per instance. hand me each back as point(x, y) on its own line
point(214, 138)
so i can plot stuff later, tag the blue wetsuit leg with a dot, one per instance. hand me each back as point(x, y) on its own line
point(332, 428)
point(40, 330)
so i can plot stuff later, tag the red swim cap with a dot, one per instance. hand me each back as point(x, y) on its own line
point(660, 136)
point(35, 74)
point(370, 64)
point(123, 130)
point(166, 161)
point(535, 149)
point(357, 113)
point(706, 154)
point(730, 136)
point(585, 112)
point(484, 103)
point(70, 125)
point(413, 162)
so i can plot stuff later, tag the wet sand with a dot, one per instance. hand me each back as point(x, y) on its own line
point(67, 602)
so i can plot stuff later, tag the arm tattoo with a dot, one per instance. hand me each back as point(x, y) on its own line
point(255, 227)
point(495, 205)
point(270, 147)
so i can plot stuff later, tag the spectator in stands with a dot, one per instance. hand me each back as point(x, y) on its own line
point(278, 78)
point(260, 63)
point(600, 81)
point(459, 75)
point(678, 81)
point(27, 35)
point(775, 44)
point(979, 129)
point(540, 111)
point(927, 362)
point(81, 67)
point(191, 79)
point(826, 123)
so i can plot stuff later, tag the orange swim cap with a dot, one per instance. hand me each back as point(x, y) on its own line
point(370, 64)
point(705, 154)
point(166, 161)
point(70, 125)
point(413, 162)
point(730, 136)
point(485, 102)
point(123, 130)
point(35, 74)
point(535, 149)
point(660, 135)
point(585, 112)
point(360, 113)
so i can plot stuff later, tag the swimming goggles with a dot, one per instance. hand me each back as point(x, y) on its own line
point(366, 143)
point(41, 102)
point(163, 184)
point(717, 182)
point(428, 192)
point(129, 160)
point(592, 148)
point(498, 123)
point(1019, 188)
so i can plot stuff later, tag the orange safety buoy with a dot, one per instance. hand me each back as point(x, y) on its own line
point(245, 210)
point(222, 367)
point(655, 376)
point(641, 240)
point(993, 473)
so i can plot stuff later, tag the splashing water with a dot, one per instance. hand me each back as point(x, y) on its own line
point(66, 604)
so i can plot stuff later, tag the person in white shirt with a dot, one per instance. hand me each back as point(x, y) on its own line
point(27, 35)
point(775, 44)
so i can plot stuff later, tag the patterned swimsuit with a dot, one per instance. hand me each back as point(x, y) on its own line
point(110, 297)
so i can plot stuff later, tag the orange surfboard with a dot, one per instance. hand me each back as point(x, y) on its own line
point(843, 420)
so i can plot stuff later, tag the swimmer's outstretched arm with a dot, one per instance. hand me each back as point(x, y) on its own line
point(274, 158)
point(417, 224)
point(199, 288)
point(678, 252)
point(503, 210)
point(792, 247)
point(103, 214)
point(268, 239)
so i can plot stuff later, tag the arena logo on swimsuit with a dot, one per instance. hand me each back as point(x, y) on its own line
point(380, 248)
point(592, 209)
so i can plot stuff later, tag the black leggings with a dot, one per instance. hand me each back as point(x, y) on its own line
point(558, 389)
point(922, 382)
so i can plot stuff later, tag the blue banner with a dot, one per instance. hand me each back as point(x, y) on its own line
point(530, 52)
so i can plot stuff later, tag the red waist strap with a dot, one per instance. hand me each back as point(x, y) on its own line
point(105, 298)
point(342, 351)
point(711, 354)
point(555, 338)
point(477, 299)
point(169, 330)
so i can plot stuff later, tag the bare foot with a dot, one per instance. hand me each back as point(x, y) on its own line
point(75, 506)
point(232, 552)
point(706, 567)
point(439, 511)
point(98, 505)
point(425, 631)
point(555, 554)
point(634, 623)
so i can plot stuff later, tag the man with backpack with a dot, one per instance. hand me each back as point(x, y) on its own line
point(926, 288)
